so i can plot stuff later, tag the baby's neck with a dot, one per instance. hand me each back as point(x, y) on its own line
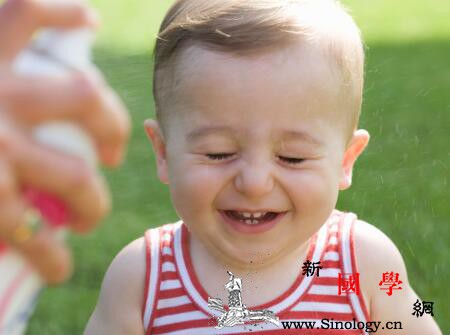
point(261, 284)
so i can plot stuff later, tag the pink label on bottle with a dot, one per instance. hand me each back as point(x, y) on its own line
point(53, 211)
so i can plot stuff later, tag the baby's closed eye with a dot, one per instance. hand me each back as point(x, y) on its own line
point(291, 160)
point(225, 155)
point(219, 156)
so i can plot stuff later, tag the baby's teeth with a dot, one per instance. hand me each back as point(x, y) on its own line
point(252, 215)
point(249, 221)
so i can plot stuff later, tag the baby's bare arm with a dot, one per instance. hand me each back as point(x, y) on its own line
point(118, 310)
point(376, 254)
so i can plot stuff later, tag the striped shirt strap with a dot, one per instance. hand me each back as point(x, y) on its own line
point(153, 270)
point(349, 265)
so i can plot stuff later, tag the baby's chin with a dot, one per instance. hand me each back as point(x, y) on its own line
point(251, 256)
point(217, 243)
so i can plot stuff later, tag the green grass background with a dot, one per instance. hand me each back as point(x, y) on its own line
point(400, 183)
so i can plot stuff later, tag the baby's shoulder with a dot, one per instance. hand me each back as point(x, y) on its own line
point(122, 289)
point(131, 263)
point(126, 274)
point(375, 254)
point(383, 278)
point(374, 247)
point(131, 256)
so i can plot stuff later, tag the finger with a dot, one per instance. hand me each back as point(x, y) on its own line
point(111, 125)
point(8, 191)
point(78, 97)
point(21, 18)
point(65, 97)
point(67, 177)
point(43, 251)
point(49, 256)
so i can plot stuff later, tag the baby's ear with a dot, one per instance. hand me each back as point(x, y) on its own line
point(155, 135)
point(355, 147)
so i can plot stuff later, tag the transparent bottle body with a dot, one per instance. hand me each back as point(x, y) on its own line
point(52, 53)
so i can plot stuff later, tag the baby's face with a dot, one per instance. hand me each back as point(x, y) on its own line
point(255, 135)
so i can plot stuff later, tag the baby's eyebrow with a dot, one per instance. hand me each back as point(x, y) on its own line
point(286, 134)
point(204, 131)
point(300, 135)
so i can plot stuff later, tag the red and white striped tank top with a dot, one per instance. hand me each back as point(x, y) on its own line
point(176, 303)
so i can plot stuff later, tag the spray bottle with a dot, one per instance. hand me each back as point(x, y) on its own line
point(52, 52)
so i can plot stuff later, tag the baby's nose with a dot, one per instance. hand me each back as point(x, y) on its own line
point(254, 180)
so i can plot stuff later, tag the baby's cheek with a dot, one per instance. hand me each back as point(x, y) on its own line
point(315, 190)
point(194, 188)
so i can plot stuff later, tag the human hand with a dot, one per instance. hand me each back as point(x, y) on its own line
point(82, 98)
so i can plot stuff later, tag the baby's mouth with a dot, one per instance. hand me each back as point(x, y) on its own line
point(251, 218)
point(252, 222)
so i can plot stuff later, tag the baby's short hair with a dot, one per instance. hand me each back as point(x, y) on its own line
point(251, 26)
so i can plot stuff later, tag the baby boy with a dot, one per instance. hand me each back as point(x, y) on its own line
point(257, 106)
